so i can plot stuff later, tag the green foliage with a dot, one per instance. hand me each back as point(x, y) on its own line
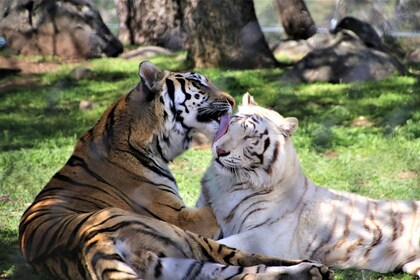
point(360, 138)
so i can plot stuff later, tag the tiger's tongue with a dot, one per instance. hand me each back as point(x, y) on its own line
point(223, 127)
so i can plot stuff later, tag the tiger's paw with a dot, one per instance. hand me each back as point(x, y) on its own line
point(412, 267)
point(301, 271)
point(308, 270)
point(321, 272)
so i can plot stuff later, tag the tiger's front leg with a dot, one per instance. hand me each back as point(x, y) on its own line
point(201, 221)
point(176, 268)
point(186, 253)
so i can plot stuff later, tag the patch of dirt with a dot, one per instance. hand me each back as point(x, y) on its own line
point(407, 175)
point(23, 68)
point(331, 154)
point(362, 121)
point(30, 66)
point(22, 82)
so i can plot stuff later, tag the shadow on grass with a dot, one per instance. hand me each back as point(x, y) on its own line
point(39, 111)
point(25, 127)
point(12, 263)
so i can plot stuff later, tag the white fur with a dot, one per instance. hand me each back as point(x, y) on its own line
point(284, 214)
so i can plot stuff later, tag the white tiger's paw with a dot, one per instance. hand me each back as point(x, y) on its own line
point(302, 271)
point(315, 271)
point(412, 267)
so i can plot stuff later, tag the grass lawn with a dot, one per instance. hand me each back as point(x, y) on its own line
point(362, 138)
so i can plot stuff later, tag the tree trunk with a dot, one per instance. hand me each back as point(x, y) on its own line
point(225, 33)
point(295, 19)
point(150, 22)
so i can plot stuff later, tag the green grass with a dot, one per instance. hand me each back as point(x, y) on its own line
point(40, 122)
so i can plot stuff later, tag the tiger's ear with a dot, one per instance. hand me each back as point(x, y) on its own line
point(248, 100)
point(150, 75)
point(288, 126)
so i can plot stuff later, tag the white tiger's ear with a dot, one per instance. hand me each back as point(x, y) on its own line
point(248, 100)
point(150, 75)
point(288, 126)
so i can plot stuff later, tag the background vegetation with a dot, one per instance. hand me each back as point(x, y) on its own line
point(360, 138)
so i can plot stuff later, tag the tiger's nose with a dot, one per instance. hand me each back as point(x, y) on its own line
point(231, 101)
point(221, 153)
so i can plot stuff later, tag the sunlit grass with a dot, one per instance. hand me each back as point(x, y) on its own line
point(379, 157)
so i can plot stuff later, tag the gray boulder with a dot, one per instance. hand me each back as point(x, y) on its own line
point(66, 28)
point(346, 59)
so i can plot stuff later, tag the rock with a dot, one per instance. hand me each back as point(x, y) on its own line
point(348, 59)
point(66, 28)
point(146, 52)
point(362, 29)
point(414, 55)
point(81, 73)
point(85, 105)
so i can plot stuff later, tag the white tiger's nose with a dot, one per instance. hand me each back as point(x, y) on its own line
point(220, 152)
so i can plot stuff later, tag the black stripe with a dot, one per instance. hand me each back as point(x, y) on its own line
point(108, 134)
point(187, 95)
point(144, 230)
point(171, 91)
point(219, 249)
point(194, 270)
point(177, 209)
point(130, 202)
point(145, 160)
point(69, 198)
point(159, 149)
point(74, 232)
point(274, 158)
point(88, 135)
point(232, 212)
point(63, 227)
point(228, 257)
point(45, 210)
point(158, 269)
point(82, 270)
point(260, 224)
point(239, 271)
point(30, 242)
point(116, 193)
point(266, 144)
point(64, 268)
point(252, 212)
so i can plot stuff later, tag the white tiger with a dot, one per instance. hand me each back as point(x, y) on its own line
point(264, 203)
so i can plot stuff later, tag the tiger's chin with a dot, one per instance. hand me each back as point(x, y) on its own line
point(240, 175)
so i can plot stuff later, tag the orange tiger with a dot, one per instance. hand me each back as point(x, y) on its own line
point(113, 211)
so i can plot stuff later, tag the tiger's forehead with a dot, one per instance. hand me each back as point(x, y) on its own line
point(196, 76)
point(248, 121)
point(241, 117)
point(192, 77)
